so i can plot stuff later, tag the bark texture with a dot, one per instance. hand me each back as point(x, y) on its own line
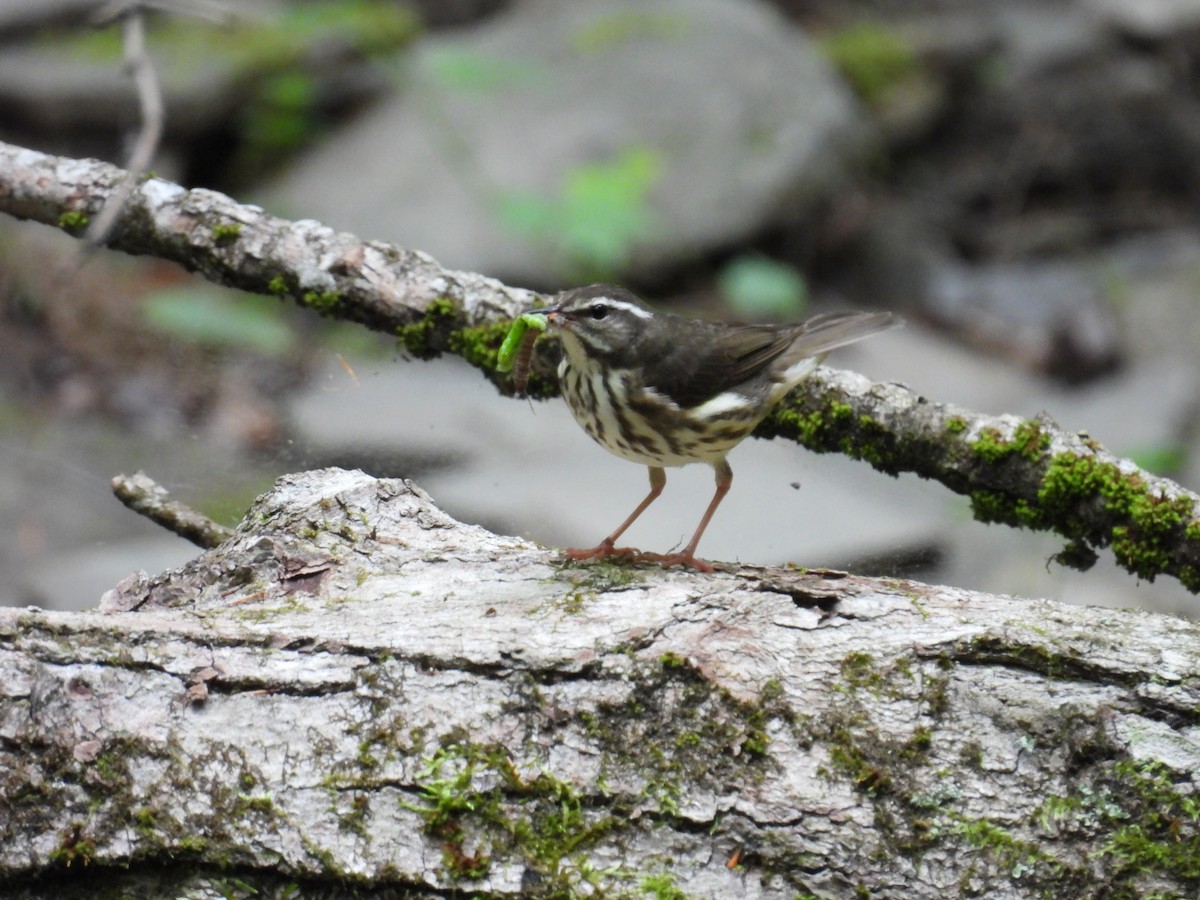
point(358, 695)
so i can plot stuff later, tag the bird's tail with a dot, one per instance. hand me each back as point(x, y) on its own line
point(832, 330)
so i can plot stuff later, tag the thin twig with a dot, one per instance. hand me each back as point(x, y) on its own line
point(150, 101)
point(148, 498)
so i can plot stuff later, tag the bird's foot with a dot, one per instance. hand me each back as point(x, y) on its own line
point(666, 560)
point(603, 550)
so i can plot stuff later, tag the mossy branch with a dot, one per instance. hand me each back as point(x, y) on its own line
point(387, 288)
point(1029, 474)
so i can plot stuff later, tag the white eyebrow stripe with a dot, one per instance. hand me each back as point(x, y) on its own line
point(628, 307)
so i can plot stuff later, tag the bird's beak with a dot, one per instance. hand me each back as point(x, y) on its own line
point(552, 313)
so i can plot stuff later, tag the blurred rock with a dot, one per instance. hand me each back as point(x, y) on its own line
point(71, 539)
point(1053, 316)
point(452, 13)
point(739, 120)
point(18, 17)
point(1148, 19)
point(243, 84)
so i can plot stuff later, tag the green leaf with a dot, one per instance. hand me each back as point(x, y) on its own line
point(599, 215)
point(527, 213)
point(1161, 460)
point(757, 287)
point(470, 71)
point(202, 316)
point(873, 58)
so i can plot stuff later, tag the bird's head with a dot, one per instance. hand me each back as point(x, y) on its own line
point(600, 319)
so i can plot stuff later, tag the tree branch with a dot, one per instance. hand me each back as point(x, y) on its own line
point(358, 690)
point(148, 498)
point(384, 287)
point(1023, 473)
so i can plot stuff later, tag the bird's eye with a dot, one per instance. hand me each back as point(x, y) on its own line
point(597, 311)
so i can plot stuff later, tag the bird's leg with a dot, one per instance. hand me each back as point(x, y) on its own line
point(687, 557)
point(607, 547)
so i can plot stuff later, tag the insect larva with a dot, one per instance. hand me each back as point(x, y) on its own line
point(524, 357)
point(517, 350)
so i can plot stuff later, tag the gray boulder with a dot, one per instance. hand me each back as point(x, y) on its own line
point(561, 141)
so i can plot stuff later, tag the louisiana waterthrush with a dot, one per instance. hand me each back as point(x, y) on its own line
point(664, 390)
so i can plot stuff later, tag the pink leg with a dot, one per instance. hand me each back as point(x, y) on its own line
point(688, 556)
point(658, 480)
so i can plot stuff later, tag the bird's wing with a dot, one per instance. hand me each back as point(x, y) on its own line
point(696, 368)
point(828, 331)
point(697, 361)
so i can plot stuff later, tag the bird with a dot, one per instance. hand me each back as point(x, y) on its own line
point(665, 390)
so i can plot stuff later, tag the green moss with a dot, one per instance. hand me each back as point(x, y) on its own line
point(75, 847)
point(662, 887)
point(1031, 442)
point(1042, 658)
point(917, 747)
point(225, 234)
point(573, 602)
point(1189, 577)
point(145, 822)
point(873, 58)
point(277, 286)
point(884, 763)
point(323, 302)
point(1028, 441)
point(1076, 495)
point(956, 424)
point(816, 429)
point(1150, 524)
point(1155, 822)
point(859, 670)
point(834, 427)
point(1146, 827)
point(601, 575)
point(480, 345)
point(936, 694)
point(1017, 856)
point(426, 337)
point(355, 820)
point(971, 755)
point(840, 411)
point(853, 758)
point(1003, 508)
point(73, 222)
point(263, 802)
point(476, 804)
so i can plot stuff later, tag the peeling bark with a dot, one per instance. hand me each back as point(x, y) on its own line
point(358, 692)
